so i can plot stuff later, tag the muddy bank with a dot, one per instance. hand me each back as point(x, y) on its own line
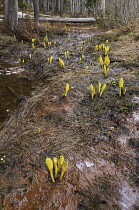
point(98, 137)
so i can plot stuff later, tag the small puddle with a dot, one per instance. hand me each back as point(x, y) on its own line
point(12, 88)
point(42, 194)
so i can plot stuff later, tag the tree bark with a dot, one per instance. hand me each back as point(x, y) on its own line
point(6, 11)
point(36, 13)
point(11, 14)
point(68, 20)
point(103, 6)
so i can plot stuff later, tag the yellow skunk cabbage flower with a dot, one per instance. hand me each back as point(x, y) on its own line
point(87, 67)
point(46, 38)
point(102, 90)
point(82, 58)
point(68, 39)
point(30, 56)
point(49, 164)
point(81, 48)
point(102, 47)
point(44, 44)
point(22, 61)
point(61, 62)
point(97, 47)
point(106, 61)
point(84, 41)
point(64, 28)
point(33, 46)
point(101, 60)
point(49, 43)
point(121, 86)
point(106, 49)
point(60, 162)
point(55, 161)
point(92, 91)
point(66, 54)
point(99, 86)
point(121, 82)
point(90, 39)
point(50, 60)
point(22, 41)
point(64, 167)
point(33, 40)
point(14, 38)
point(54, 42)
point(105, 70)
point(107, 41)
point(66, 89)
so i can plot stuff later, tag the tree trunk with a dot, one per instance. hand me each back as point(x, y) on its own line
point(103, 6)
point(6, 11)
point(11, 14)
point(68, 20)
point(36, 13)
point(56, 6)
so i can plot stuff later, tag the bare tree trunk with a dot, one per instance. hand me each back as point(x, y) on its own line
point(72, 8)
point(11, 14)
point(36, 13)
point(103, 6)
point(60, 7)
point(45, 6)
point(6, 11)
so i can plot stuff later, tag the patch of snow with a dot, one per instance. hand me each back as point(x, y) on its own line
point(129, 196)
point(135, 99)
point(8, 73)
point(123, 139)
point(88, 164)
point(136, 116)
point(20, 15)
point(81, 165)
point(14, 72)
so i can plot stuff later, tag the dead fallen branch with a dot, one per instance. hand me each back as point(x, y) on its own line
point(59, 19)
point(68, 20)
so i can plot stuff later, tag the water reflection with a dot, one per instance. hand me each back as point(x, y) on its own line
point(12, 86)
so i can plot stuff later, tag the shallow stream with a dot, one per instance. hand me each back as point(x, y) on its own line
point(13, 88)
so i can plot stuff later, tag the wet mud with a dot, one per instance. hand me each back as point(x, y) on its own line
point(98, 137)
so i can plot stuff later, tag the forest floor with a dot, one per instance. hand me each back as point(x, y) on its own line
point(98, 137)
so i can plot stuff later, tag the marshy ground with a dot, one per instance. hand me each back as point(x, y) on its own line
point(98, 137)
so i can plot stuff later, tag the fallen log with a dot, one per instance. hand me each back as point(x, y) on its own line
point(20, 97)
point(68, 20)
point(59, 19)
point(12, 91)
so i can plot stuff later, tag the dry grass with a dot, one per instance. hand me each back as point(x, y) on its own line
point(80, 129)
